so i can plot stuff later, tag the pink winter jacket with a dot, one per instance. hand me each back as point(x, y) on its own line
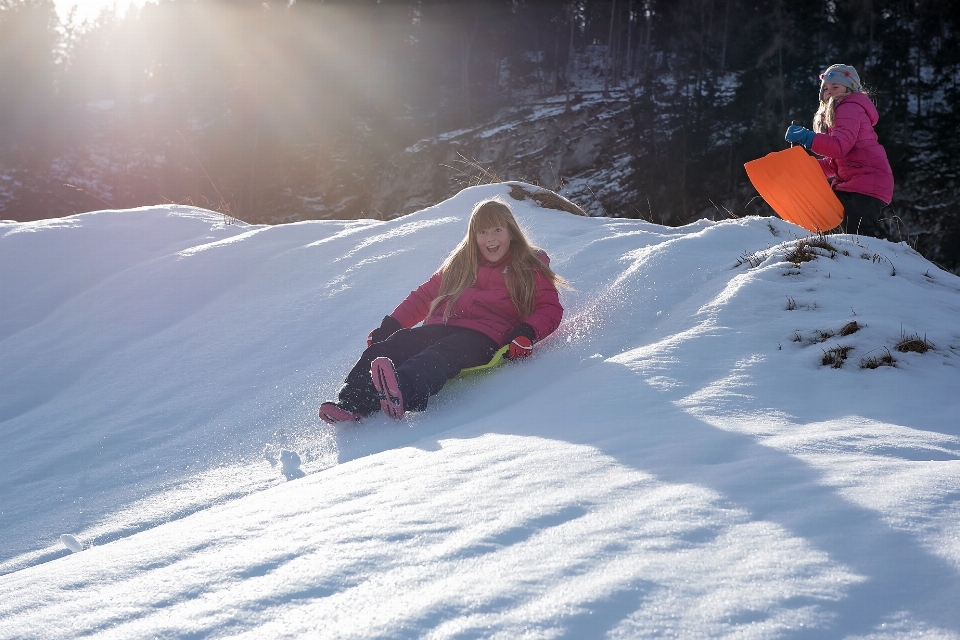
point(486, 306)
point(852, 155)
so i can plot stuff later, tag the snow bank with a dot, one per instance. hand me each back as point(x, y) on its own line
point(676, 461)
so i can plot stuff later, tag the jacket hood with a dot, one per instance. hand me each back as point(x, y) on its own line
point(865, 103)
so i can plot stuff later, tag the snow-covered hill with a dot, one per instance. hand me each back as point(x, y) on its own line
point(675, 462)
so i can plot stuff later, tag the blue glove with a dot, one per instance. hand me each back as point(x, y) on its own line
point(796, 133)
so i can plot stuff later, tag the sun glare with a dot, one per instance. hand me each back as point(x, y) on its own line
point(90, 9)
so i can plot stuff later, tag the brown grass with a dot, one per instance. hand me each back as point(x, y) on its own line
point(804, 250)
point(850, 328)
point(801, 253)
point(875, 362)
point(913, 344)
point(820, 242)
point(753, 259)
point(836, 356)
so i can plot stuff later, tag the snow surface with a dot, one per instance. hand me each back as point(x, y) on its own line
point(674, 462)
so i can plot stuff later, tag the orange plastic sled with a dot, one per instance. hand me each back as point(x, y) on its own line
point(792, 182)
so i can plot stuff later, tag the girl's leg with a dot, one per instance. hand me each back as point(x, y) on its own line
point(861, 213)
point(425, 373)
point(358, 393)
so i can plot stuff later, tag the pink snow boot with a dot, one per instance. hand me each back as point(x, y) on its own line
point(333, 413)
point(385, 380)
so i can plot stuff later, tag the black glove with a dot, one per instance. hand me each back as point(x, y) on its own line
point(387, 328)
point(521, 340)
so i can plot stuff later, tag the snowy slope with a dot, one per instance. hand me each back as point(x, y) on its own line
point(674, 462)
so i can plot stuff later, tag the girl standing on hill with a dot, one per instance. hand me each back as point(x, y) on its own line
point(843, 134)
point(495, 288)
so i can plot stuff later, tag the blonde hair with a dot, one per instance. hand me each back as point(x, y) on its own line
point(826, 114)
point(459, 269)
point(824, 119)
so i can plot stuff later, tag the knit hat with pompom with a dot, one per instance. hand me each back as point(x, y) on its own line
point(842, 74)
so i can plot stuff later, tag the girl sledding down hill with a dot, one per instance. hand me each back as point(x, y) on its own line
point(852, 156)
point(494, 289)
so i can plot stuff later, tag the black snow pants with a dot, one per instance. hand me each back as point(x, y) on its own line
point(425, 358)
point(861, 214)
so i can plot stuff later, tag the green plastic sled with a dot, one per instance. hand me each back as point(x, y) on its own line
point(494, 361)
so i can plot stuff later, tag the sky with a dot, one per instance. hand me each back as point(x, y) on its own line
point(675, 461)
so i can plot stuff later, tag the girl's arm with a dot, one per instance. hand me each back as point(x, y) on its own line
point(547, 310)
point(850, 118)
point(415, 306)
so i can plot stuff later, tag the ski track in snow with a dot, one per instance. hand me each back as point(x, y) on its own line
point(674, 462)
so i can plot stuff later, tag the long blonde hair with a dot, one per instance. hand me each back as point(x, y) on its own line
point(824, 120)
point(460, 267)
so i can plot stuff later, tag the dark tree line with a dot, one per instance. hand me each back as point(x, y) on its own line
point(280, 111)
point(697, 134)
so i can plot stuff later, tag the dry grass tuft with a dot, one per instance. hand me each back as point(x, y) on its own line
point(850, 328)
point(878, 258)
point(820, 242)
point(836, 356)
point(913, 344)
point(475, 173)
point(875, 362)
point(804, 251)
point(801, 253)
point(752, 259)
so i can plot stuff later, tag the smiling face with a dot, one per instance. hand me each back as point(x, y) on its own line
point(493, 242)
point(834, 90)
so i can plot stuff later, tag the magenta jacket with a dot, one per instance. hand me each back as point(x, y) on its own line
point(486, 306)
point(852, 155)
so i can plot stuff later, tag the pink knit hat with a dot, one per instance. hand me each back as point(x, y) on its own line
point(842, 74)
